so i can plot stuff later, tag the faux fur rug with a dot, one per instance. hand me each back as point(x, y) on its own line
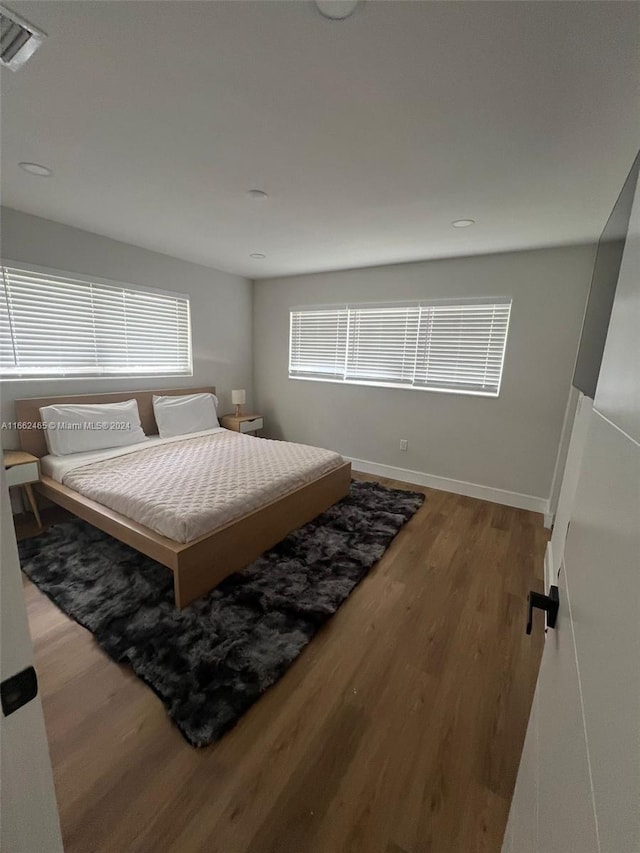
point(209, 662)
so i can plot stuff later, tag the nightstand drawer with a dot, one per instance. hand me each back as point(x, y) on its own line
point(26, 473)
point(250, 426)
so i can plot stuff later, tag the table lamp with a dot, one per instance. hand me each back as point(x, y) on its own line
point(238, 398)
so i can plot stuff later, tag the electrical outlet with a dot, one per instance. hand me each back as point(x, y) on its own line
point(404, 444)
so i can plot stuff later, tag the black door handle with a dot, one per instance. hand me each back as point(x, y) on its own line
point(549, 603)
point(18, 690)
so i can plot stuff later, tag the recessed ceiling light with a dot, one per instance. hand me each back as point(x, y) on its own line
point(336, 10)
point(257, 256)
point(36, 169)
point(258, 194)
point(463, 223)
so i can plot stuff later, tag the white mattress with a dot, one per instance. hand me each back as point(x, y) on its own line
point(188, 486)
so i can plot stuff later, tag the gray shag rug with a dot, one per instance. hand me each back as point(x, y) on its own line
point(211, 661)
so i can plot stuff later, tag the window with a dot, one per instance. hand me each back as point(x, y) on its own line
point(458, 346)
point(62, 325)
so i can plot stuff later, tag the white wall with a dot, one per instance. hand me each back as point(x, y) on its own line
point(510, 443)
point(220, 308)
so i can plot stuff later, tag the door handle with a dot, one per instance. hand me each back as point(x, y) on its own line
point(549, 603)
point(18, 690)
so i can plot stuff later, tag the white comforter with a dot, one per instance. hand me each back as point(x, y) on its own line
point(188, 486)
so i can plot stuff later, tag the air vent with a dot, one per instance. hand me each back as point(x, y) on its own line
point(18, 39)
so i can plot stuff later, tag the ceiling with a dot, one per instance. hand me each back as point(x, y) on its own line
point(369, 135)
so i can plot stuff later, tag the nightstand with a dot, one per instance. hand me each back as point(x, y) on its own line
point(22, 470)
point(242, 423)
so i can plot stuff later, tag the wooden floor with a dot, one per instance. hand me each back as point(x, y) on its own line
point(398, 729)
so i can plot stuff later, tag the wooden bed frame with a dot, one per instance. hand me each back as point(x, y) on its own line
point(200, 565)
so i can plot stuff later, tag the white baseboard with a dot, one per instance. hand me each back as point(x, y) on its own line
point(458, 487)
point(548, 520)
point(549, 579)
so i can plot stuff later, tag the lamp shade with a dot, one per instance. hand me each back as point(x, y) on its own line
point(239, 398)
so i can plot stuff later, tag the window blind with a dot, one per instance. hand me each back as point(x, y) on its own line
point(449, 347)
point(318, 341)
point(56, 325)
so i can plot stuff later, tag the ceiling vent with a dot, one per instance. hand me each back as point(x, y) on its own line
point(18, 39)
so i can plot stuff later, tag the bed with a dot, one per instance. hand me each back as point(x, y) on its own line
point(240, 533)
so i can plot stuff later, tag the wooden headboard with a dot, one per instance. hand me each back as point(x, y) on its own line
point(32, 438)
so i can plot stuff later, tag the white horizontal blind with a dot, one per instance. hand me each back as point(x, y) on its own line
point(318, 341)
point(462, 346)
point(53, 325)
point(382, 344)
point(448, 347)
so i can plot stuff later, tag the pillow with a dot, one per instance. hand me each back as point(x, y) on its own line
point(97, 426)
point(184, 414)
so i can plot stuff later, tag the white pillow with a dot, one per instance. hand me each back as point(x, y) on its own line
point(97, 426)
point(180, 415)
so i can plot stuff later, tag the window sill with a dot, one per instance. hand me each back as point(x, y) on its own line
point(346, 382)
point(106, 377)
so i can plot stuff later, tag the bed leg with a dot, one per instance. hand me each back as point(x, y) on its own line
point(176, 590)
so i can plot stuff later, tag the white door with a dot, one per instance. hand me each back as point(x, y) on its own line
point(28, 812)
point(578, 788)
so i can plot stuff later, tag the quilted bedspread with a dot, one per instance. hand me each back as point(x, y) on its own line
point(188, 488)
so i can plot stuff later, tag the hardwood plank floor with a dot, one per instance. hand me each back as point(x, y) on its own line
point(398, 729)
